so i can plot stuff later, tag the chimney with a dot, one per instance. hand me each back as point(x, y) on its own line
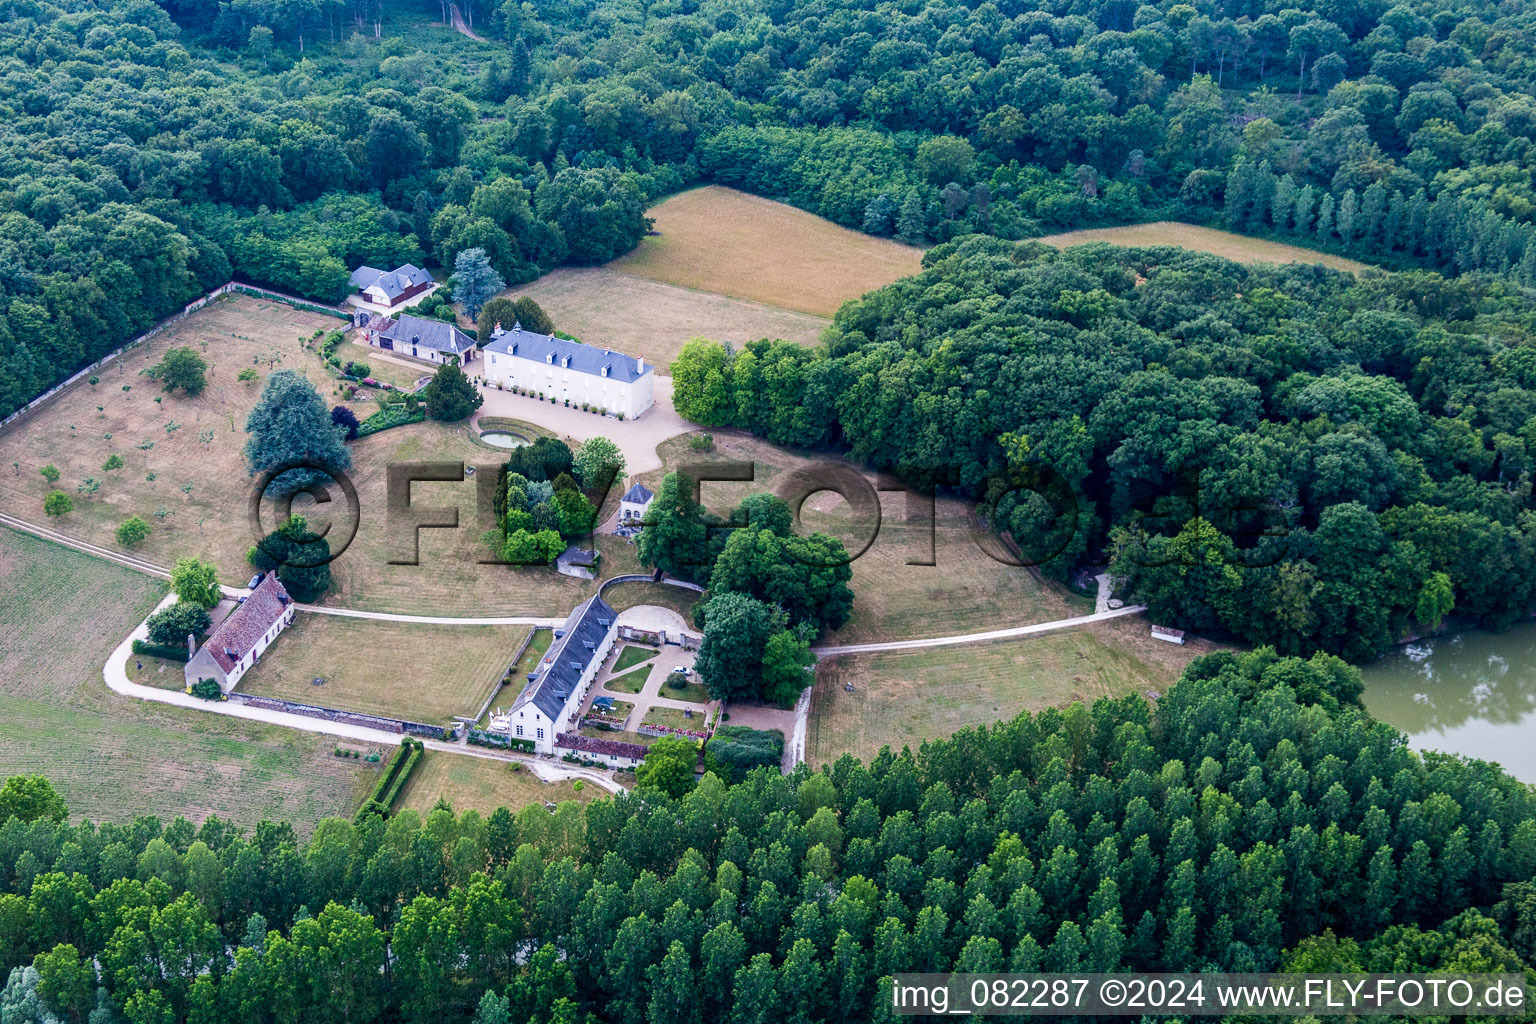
point(191, 647)
point(640, 365)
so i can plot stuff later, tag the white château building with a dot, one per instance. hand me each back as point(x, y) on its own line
point(568, 370)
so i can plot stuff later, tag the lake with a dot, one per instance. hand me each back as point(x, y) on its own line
point(1468, 693)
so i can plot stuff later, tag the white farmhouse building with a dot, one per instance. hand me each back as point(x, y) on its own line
point(549, 704)
point(240, 639)
point(569, 371)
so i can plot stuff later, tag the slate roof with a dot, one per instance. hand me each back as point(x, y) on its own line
point(237, 635)
point(598, 745)
point(571, 354)
point(638, 494)
point(394, 282)
point(436, 334)
point(555, 679)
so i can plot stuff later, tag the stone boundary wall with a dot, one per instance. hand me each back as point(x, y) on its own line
point(335, 715)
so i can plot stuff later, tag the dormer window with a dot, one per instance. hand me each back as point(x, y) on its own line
point(550, 359)
point(567, 363)
point(605, 370)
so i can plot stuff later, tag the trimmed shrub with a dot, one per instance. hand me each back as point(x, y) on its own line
point(166, 651)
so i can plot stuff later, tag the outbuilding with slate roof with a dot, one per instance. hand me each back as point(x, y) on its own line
point(569, 371)
point(241, 638)
point(435, 341)
point(552, 697)
point(633, 504)
point(390, 287)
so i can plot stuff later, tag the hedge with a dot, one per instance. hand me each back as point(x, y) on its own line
point(394, 416)
point(399, 768)
point(169, 652)
point(411, 760)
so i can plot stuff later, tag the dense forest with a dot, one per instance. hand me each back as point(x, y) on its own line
point(1254, 818)
point(1292, 455)
point(152, 151)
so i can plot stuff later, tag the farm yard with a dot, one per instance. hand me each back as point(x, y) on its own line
point(901, 698)
point(415, 671)
point(64, 612)
point(1221, 243)
point(966, 590)
point(468, 783)
point(716, 239)
point(650, 319)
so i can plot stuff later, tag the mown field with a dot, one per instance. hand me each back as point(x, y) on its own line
point(416, 671)
point(717, 239)
point(482, 784)
point(1189, 236)
point(112, 757)
point(652, 319)
point(901, 698)
point(964, 591)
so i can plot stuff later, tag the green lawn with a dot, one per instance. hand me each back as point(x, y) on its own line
point(676, 718)
point(631, 656)
point(414, 671)
point(537, 645)
point(629, 682)
point(482, 784)
point(693, 693)
point(113, 757)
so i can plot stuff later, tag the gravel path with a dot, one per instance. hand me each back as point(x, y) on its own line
point(991, 634)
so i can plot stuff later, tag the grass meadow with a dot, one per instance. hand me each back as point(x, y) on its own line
point(1222, 243)
point(194, 441)
point(113, 758)
point(964, 591)
point(716, 239)
point(481, 784)
point(653, 319)
point(901, 698)
point(417, 671)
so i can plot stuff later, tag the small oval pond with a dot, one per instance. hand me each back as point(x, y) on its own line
point(504, 439)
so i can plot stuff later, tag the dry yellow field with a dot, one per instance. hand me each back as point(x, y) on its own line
point(720, 240)
point(650, 319)
point(195, 440)
point(203, 449)
point(482, 784)
point(1240, 248)
point(964, 591)
point(416, 671)
point(901, 698)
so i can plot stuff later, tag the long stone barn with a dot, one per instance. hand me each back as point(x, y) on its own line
point(239, 640)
